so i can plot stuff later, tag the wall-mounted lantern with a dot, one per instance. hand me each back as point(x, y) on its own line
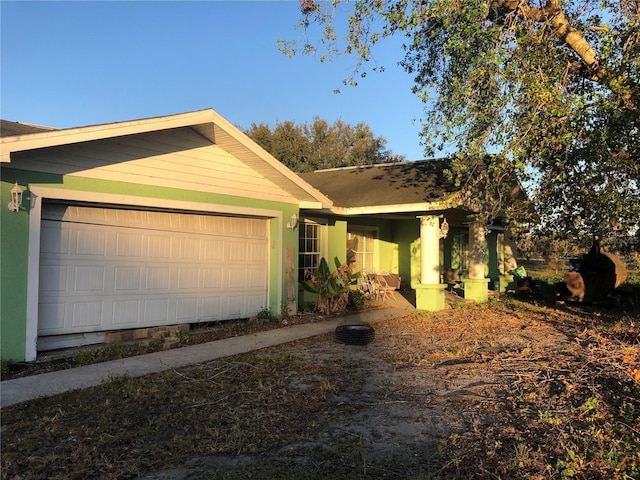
point(16, 198)
point(444, 229)
point(293, 223)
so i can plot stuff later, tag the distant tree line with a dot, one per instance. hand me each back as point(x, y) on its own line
point(319, 145)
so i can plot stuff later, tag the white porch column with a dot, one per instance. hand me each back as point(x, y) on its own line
point(476, 286)
point(508, 261)
point(430, 292)
point(429, 250)
point(476, 250)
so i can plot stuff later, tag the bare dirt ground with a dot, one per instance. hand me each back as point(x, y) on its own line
point(503, 390)
point(426, 380)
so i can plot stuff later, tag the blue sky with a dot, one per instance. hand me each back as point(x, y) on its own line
point(67, 64)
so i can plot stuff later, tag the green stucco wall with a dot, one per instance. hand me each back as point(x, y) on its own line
point(14, 235)
point(387, 247)
point(337, 242)
point(387, 244)
point(14, 238)
point(398, 251)
point(406, 234)
point(396, 244)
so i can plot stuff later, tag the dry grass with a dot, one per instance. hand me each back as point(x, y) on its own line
point(504, 390)
point(203, 333)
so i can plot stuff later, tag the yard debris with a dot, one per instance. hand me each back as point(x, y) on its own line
point(506, 389)
point(597, 276)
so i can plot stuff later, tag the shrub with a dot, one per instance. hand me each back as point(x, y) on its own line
point(265, 316)
point(332, 288)
point(357, 300)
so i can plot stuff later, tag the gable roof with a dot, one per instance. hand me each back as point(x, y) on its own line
point(9, 129)
point(207, 123)
point(387, 188)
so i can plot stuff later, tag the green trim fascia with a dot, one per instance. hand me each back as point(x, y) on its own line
point(144, 191)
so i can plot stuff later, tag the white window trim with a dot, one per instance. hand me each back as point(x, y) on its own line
point(376, 241)
point(323, 236)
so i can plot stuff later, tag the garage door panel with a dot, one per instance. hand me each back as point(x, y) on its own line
point(129, 245)
point(211, 309)
point(88, 278)
point(237, 251)
point(88, 314)
point(156, 311)
point(89, 242)
point(127, 279)
point(126, 312)
point(188, 278)
point(189, 223)
point(158, 247)
point(53, 278)
point(131, 217)
point(213, 250)
point(97, 277)
point(189, 249)
point(55, 240)
point(212, 278)
point(255, 303)
point(257, 252)
point(187, 309)
point(256, 229)
point(157, 279)
point(213, 224)
point(256, 280)
point(52, 317)
point(237, 279)
point(235, 306)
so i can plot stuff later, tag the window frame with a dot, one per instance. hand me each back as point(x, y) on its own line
point(372, 233)
point(305, 268)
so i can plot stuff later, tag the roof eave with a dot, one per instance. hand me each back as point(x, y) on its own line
point(310, 205)
point(204, 121)
point(239, 136)
point(443, 204)
point(68, 136)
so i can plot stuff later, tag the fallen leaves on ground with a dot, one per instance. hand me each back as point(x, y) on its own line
point(505, 390)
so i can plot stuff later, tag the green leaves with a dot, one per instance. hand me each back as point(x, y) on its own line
point(318, 145)
point(332, 288)
point(553, 86)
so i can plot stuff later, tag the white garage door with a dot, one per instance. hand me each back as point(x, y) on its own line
point(109, 269)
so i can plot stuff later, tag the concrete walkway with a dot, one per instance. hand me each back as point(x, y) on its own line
point(52, 383)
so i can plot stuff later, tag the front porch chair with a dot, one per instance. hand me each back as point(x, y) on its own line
point(384, 289)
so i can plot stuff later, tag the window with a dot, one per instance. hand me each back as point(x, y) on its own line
point(308, 250)
point(360, 249)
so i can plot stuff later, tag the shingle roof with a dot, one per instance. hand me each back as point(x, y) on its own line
point(385, 184)
point(9, 129)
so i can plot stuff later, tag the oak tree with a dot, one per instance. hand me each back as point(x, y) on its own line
point(548, 89)
point(319, 145)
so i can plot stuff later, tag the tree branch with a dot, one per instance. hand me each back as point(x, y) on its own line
point(553, 14)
